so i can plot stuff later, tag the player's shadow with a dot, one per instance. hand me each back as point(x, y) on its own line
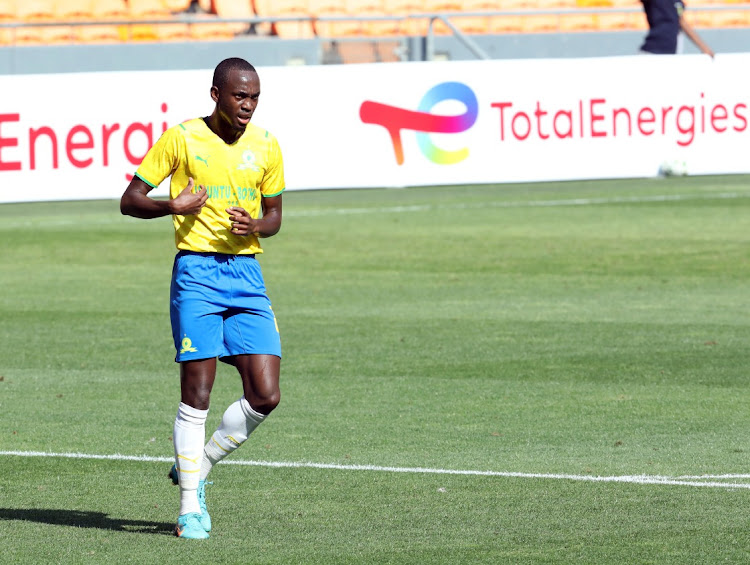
point(85, 519)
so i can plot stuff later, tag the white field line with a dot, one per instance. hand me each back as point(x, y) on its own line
point(12, 223)
point(519, 204)
point(686, 480)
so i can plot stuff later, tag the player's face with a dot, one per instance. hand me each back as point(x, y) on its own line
point(237, 99)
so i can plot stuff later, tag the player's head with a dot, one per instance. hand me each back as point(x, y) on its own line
point(235, 89)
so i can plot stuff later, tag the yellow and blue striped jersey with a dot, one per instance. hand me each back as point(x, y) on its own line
point(239, 174)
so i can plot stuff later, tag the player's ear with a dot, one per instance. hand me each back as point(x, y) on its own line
point(215, 93)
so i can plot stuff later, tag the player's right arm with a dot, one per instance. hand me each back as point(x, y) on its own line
point(136, 202)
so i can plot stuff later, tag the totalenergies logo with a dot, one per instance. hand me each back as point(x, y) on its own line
point(423, 122)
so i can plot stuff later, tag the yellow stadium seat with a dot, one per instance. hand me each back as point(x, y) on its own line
point(594, 3)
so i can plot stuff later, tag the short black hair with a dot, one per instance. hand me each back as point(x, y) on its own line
point(222, 70)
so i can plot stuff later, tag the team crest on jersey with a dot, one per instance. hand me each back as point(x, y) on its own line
point(248, 162)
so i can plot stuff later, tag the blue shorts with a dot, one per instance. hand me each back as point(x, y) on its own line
point(219, 307)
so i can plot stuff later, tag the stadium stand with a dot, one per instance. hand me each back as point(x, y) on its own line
point(113, 21)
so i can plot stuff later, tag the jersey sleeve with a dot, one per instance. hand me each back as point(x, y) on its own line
point(273, 180)
point(162, 159)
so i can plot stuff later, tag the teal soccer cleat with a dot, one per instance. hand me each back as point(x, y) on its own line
point(205, 517)
point(189, 527)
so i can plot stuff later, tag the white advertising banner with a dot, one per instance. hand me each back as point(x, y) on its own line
point(81, 136)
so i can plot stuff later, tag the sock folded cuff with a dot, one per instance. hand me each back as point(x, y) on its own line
point(248, 411)
point(189, 416)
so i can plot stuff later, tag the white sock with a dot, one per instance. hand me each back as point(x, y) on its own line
point(188, 436)
point(237, 423)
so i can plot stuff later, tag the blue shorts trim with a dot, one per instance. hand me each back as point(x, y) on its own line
point(219, 307)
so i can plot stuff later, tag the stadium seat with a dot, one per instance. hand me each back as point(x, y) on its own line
point(574, 23)
point(100, 34)
point(148, 9)
point(211, 30)
point(617, 21)
point(73, 10)
point(374, 28)
point(35, 10)
point(7, 11)
point(442, 6)
point(235, 9)
point(729, 18)
point(333, 8)
point(177, 31)
point(481, 5)
point(301, 29)
point(540, 23)
point(472, 25)
point(176, 6)
point(108, 10)
point(505, 24)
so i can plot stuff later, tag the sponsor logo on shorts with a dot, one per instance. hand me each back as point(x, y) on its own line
point(187, 345)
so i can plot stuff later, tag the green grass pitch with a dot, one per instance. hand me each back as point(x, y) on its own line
point(547, 334)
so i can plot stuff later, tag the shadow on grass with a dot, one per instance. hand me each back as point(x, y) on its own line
point(83, 519)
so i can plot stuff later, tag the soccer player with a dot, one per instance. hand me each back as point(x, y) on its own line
point(227, 179)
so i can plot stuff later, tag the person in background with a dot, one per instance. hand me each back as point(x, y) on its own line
point(666, 21)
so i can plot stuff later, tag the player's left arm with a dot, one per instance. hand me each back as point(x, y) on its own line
point(694, 37)
point(268, 225)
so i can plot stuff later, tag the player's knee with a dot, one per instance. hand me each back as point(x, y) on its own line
point(265, 404)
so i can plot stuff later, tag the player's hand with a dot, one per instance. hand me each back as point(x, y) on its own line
point(187, 202)
point(242, 223)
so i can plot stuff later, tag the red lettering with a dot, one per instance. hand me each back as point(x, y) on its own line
point(71, 145)
point(596, 118)
point(626, 113)
point(740, 117)
point(569, 116)
point(9, 142)
point(690, 128)
point(528, 126)
point(132, 128)
point(646, 116)
point(719, 113)
point(664, 113)
point(33, 136)
point(106, 132)
point(538, 113)
point(502, 106)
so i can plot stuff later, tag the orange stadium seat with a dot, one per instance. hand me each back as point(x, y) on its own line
point(540, 23)
point(100, 34)
point(235, 9)
point(472, 25)
point(374, 28)
point(177, 31)
point(410, 26)
point(35, 10)
point(110, 10)
point(729, 18)
point(212, 31)
point(505, 24)
point(148, 9)
point(442, 6)
point(578, 22)
point(333, 8)
point(7, 10)
point(481, 6)
point(176, 6)
point(73, 10)
point(287, 8)
point(617, 21)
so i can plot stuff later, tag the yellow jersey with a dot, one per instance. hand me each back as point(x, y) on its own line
point(239, 174)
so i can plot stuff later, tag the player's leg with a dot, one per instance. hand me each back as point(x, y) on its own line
point(197, 319)
point(260, 383)
point(189, 434)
